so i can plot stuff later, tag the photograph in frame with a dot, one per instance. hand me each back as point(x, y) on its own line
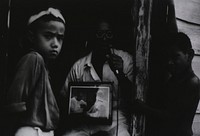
point(91, 101)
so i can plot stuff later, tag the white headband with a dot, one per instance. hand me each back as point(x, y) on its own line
point(50, 11)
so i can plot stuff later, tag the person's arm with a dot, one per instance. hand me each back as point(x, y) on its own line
point(123, 70)
point(27, 74)
point(185, 105)
point(140, 107)
point(125, 85)
point(23, 82)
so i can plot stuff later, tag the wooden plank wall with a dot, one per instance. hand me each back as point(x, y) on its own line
point(141, 18)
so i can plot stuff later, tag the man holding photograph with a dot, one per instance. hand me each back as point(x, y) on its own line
point(104, 64)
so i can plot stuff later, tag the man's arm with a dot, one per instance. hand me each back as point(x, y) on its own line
point(126, 85)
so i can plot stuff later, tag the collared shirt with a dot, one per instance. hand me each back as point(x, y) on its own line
point(83, 71)
point(31, 92)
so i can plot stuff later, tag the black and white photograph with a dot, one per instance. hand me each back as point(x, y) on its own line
point(99, 67)
point(91, 99)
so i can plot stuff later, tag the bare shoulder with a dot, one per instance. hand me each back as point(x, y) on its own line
point(194, 84)
point(194, 81)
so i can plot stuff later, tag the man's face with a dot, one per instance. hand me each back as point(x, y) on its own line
point(48, 39)
point(178, 61)
point(104, 36)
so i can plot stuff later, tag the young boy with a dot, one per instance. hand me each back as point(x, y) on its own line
point(30, 95)
point(181, 93)
point(183, 88)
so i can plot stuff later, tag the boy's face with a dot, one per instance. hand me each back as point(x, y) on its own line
point(48, 38)
point(178, 61)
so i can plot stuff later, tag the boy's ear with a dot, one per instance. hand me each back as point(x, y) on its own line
point(190, 54)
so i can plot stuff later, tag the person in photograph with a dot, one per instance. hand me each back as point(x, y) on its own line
point(77, 105)
point(100, 109)
point(30, 98)
point(104, 63)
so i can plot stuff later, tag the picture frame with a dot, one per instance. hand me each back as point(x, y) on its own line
point(90, 102)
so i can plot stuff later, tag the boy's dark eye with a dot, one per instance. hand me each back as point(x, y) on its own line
point(60, 37)
point(48, 36)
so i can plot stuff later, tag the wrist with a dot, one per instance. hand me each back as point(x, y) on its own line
point(120, 74)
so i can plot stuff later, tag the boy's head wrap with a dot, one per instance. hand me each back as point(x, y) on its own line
point(51, 11)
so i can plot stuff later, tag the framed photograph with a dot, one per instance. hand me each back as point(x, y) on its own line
point(90, 101)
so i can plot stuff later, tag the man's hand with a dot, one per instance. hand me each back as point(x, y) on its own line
point(116, 63)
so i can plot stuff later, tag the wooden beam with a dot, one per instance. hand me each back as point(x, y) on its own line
point(141, 17)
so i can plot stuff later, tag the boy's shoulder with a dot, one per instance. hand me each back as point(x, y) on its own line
point(31, 58)
point(194, 80)
point(193, 83)
point(33, 55)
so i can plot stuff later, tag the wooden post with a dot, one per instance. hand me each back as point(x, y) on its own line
point(141, 12)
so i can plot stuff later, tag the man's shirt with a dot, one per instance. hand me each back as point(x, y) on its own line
point(83, 71)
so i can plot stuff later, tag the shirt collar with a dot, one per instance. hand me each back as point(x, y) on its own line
point(88, 62)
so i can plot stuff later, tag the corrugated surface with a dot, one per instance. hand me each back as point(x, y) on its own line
point(193, 31)
point(188, 10)
point(189, 13)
